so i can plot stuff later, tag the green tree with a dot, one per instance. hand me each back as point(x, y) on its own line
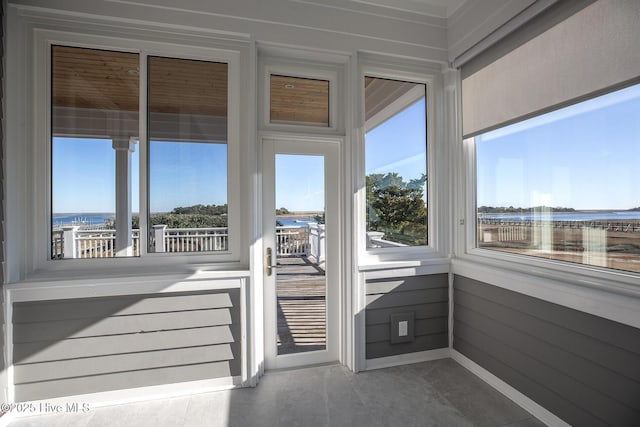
point(282, 211)
point(397, 208)
point(196, 216)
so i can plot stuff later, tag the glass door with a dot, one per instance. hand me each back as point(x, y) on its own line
point(300, 188)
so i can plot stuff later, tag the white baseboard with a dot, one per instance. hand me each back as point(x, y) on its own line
point(405, 359)
point(120, 397)
point(514, 395)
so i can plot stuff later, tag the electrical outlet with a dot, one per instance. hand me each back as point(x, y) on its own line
point(402, 329)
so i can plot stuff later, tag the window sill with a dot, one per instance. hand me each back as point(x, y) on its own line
point(42, 286)
point(405, 268)
point(612, 295)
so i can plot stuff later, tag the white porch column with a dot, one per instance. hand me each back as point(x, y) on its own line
point(124, 148)
point(158, 234)
point(69, 243)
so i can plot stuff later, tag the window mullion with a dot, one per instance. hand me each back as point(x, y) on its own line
point(144, 157)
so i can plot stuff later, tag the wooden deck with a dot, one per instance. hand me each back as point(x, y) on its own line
point(301, 305)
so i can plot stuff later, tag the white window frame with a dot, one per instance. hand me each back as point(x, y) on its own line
point(305, 71)
point(435, 251)
point(40, 259)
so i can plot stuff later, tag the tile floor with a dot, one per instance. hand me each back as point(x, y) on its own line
point(438, 393)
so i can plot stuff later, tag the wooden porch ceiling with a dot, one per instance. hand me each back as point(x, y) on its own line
point(95, 79)
point(107, 80)
point(295, 99)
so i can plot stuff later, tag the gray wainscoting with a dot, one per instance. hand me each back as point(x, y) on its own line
point(583, 368)
point(77, 346)
point(426, 296)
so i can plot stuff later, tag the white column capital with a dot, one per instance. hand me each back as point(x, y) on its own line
point(124, 144)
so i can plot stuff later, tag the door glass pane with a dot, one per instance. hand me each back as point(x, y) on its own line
point(94, 128)
point(300, 253)
point(299, 101)
point(187, 155)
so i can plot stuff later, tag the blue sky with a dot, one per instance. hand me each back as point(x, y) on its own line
point(585, 156)
point(187, 174)
point(181, 174)
point(300, 182)
point(398, 145)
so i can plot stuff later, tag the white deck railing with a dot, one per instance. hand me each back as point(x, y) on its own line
point(292, 241)
point(76, 242)
point(190, 239)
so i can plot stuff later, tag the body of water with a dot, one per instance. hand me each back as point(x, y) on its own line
point(295, 222)
point(81, 218)
point(565, 216)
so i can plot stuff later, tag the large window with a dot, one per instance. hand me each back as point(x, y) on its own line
point(395, 163)
point(97, 209)
point(565, 185)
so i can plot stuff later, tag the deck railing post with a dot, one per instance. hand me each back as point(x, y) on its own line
point(69, 242)
point(321, 244)
point(158, 237)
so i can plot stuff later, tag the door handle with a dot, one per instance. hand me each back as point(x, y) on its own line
point(269, 262)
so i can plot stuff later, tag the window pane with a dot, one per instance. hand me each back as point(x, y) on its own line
point(299, 101)
point(187, 155)
point(396, 163)
point(94, 128)
point(564, 185)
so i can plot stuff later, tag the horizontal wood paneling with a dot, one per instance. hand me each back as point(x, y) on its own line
point(414, 283)
point(120, 380)
point(86, 366)
point(561, 358)
point(425, 296)
point(422, 343)
point(377, 333)
point(421, 311)
point(400, 298)
point(117, 325)
point(87, 345)
point(25, 312)
point(616, 359)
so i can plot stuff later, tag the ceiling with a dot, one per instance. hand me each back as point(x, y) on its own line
point(438, 8)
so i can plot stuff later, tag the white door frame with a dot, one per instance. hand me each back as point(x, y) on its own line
point(330, 149)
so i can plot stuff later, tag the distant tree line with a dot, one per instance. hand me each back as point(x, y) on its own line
point(511, 209)
point(201, 210)
point(397, 208)
point(196, 216)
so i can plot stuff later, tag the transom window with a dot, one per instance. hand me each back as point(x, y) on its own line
point(299, 101)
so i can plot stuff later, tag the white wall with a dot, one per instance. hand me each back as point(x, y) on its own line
point(327, 25)
point(476, 20)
